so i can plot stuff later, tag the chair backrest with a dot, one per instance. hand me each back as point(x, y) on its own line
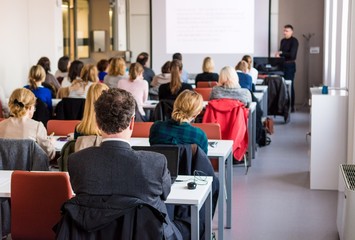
point(42, 113)
point(212, 130)
point(141, 129)
point(70, 109)
point(36, 200)
point(206, 84)
point(61, 127)
point(205, 92)
point(163, 110)
point(67, 149)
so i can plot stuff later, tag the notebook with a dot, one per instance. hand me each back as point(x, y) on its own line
point(171, 153)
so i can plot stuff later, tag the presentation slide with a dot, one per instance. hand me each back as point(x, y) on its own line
point(224, 30)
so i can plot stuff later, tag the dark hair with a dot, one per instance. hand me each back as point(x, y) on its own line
point(166, 67)
point(75, 70)
point(142, 58)
point(177, 56)
point(45, 63)
point(288, 26)
point(114, 110)
point(102, 65)
point(63, 64)
point(175, 82)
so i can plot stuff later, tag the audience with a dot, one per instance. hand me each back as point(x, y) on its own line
point(102, 67)
point(175, 87)
point(36, 77)
point(251, 70)
point(4, 106)
point(88, 125)
point(184, 74)
point(148, 73)
point(207, 75)
point(245, 80)
point(113, 171)
point(136, 85)
point(80, 87)
point(164, 77)
point(50, 81)
point(228, 87)
point(178, 129)
point(116, 72)
point(63, 66)
point(20, 125)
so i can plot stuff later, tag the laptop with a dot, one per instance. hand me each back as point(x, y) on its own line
point(171, 153)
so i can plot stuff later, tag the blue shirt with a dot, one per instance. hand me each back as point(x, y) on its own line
point(44, 94)
point(245, 80)
point(172, 132)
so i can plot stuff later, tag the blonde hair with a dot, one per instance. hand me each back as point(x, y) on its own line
point(228, 78)
point(242, 66)
point(89, 73)
point(175, 82)
point(35, 75)
point(134, 70)
point(117, 67)
point(88, 125)
point(208, 65)
point(187, 105)
point(21, 100)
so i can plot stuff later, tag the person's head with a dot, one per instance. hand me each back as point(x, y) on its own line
point(249, 60)
point(208, 65)
point(89, 73)
point(187, 106)
point(102, 65)
point(63, 64)
point(36, 76)
point(142, 58)
point(166, 67)
point(45, 63)
point(115, 110)
point(88, 124)
point(175, 70)
point(117, 67)
point(135, 70)
point(242, 66)
point(177, 56)
point(228, 78)
point(75, 70)
point(21, 102)
point(288, 31)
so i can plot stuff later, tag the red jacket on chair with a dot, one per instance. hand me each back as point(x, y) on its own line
point(232, 115)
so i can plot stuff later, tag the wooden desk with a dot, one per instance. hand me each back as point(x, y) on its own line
point(222, 151)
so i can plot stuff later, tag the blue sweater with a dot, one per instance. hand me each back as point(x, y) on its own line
point(245, 80)
point(44, 94)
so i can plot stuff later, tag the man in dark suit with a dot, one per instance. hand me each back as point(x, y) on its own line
point(114, 168)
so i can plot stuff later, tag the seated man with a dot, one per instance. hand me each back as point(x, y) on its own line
point(114, 169)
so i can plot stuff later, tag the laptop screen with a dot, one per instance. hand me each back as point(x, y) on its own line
point(170, 152)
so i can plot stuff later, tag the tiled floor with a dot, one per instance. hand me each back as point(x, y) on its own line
point(274, 202)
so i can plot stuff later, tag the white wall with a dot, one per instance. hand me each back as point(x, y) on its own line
point(30, 29)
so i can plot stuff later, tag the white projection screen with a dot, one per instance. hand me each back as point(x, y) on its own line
point(224, 30)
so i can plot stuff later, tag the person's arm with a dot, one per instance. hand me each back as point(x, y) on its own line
point(292, 53)
point(145, 91)
point(45, 142)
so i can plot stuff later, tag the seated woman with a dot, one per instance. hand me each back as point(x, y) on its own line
point(50, 81)
point(178, 130)
point(36, 77)
point(176, 86)
point(21, 126)
point(136, 85)
point(102, 67)
point(208, 75)
point(88, 125)
point(73, 73)
point(245, 80)
point(160, 79)
point(63, 66)
point(228, 87)
point(251, 70)
point(79, 88)
point(116, 72)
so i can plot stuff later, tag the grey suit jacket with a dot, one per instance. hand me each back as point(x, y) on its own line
point(114, 168)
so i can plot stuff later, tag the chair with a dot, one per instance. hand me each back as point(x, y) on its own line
point(42, 113)
point(67, 149)
point(205, 92)
point(212, 130)
point(141, 129)
point(61, 127)
point(36, 200)
point(207, 84)
point(70, 109)
point(163, 110)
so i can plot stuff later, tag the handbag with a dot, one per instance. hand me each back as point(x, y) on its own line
point(269, 125)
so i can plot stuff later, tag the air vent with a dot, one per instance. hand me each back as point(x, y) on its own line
point(349, 175)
